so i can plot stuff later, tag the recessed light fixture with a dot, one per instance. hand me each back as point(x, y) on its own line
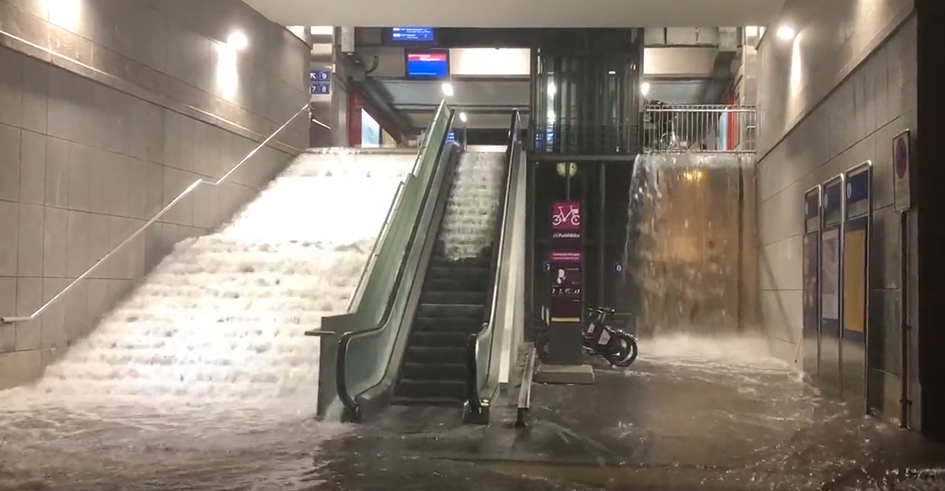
point(645, 88)
point(462, 117)
point(447, 89)
point(786, 33)
point(237, 40)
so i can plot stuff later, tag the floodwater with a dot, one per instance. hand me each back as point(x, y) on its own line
point(202, 380)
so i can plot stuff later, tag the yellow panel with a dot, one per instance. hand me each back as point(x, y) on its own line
point(854, 282)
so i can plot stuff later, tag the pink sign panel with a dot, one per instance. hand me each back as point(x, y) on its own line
point(565, 257)
point(566, 220)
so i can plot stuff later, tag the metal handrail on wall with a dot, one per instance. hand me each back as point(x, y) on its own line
point(155, 218)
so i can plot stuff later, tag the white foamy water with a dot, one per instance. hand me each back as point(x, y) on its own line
point(469, 222)
point(217, 328)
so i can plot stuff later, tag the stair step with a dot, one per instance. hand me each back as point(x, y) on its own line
point(435, 354)
point(478, 273)
point(460, 311)
point(447, 324)
point(426, 389)
point(435, 371)
point(440, 339)
point(430, 296)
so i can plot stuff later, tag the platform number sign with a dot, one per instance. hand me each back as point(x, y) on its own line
point(320, 82)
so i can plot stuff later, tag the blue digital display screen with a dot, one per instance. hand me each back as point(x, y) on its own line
point(411, 34)
point(428, 64)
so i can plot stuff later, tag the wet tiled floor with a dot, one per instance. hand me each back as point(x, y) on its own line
point(669, 422)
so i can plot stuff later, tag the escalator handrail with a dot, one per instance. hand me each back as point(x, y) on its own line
point(498, 242)
point(345, 340)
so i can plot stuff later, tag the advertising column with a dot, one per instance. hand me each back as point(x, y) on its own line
point(856, 251)
point(567, 277)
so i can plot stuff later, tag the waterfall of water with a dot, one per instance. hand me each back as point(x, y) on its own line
point(685, 243)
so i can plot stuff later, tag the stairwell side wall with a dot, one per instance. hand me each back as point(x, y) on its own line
point(833, 97)
point(139, 100)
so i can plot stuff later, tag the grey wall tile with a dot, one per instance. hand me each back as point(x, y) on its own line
point(56, 243)
point(7, 304)
point(9, 163)
point(86, 186)
point(53, 325)
point(79, 234)
point(35, 95)
point(31, 235)
point(11, 78)
point(32, 168)
point(57, 172)
point(29, 298)
point(9, 234)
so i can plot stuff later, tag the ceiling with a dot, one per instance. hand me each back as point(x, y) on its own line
point(519, 13)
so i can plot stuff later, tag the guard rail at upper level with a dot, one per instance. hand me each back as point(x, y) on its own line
point(155, 218)
point(705, 128)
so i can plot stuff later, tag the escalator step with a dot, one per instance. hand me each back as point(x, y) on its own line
point(441, 324)
point(456, 284)
point(456, 372)
point(425, 389)
point(478, 262)
point(453, 297)
point(439, 339)
point(432, 354)
point(460, 272)
point(454, 311)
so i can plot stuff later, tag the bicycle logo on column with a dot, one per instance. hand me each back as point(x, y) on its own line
point(566, 220)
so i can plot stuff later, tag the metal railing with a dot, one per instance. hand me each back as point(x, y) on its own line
point(155, 218)
point(704, 128)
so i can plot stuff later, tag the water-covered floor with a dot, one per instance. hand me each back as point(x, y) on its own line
point(687, 415)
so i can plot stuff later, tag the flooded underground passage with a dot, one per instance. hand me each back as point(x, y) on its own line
point(567, 248)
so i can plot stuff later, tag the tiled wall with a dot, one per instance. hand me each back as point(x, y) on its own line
point(833, 98)
point(89, 152)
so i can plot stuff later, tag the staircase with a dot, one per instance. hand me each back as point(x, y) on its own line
point(453, 301)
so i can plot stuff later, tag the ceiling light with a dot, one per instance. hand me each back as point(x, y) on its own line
point(462, 117)
point(645, 88)
point(552, 90)
point(612, 72)
point(237, 40)
point(786, 33)
point(447, 89)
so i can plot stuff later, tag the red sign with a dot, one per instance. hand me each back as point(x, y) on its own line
point(566, 220)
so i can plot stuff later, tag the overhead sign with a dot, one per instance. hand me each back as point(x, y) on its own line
point(902, 171)
point(412, 34)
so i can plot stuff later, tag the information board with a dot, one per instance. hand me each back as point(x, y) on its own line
point(427, 64)
point(411, 34)
point(566, 294)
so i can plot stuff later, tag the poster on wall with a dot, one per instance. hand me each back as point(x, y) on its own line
point(566, 220)
point(566, 287)
point(855, 253)
point(811, 285)
point(830, 276)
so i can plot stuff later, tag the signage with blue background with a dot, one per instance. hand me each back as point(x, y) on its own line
point(320, 82)
point(412, 34)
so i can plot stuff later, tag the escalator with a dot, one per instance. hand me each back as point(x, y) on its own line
point(424, 330)
point(454, 298)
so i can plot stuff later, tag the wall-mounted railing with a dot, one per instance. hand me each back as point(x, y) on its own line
point(196, 184)
point(703, 128)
